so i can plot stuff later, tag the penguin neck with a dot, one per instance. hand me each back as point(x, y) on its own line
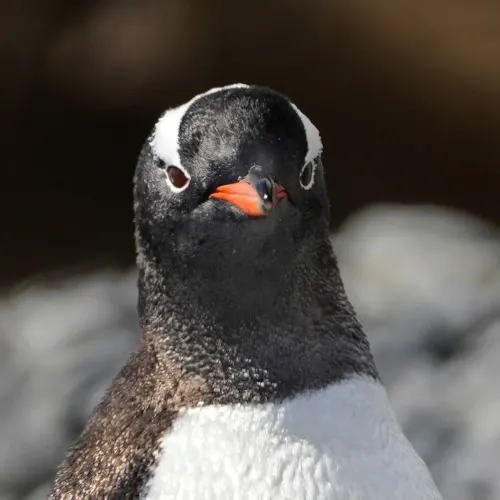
point(302, 334)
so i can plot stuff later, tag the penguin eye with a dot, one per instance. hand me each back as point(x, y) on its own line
point(177, 177)
point(306, 176)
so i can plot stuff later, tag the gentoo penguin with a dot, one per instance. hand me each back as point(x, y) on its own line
point(253, 379)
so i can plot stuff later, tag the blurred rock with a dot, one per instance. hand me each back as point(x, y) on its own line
point(424, 280)
point(430, 273)
point(62, 346)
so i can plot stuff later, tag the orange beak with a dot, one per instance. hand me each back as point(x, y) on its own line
point(247, 199)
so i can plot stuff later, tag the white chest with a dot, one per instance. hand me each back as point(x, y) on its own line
point(340, 443)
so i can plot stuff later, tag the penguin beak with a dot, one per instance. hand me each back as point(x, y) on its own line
point(256, 201)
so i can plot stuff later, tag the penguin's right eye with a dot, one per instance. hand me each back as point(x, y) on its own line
point(306, 177)
point(177, 178)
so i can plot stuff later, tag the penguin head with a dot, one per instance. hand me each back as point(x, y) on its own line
point(230, 182)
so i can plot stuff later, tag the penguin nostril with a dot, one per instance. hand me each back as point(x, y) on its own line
point(265, 189)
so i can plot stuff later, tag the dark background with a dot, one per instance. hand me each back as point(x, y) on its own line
point(406, 95)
